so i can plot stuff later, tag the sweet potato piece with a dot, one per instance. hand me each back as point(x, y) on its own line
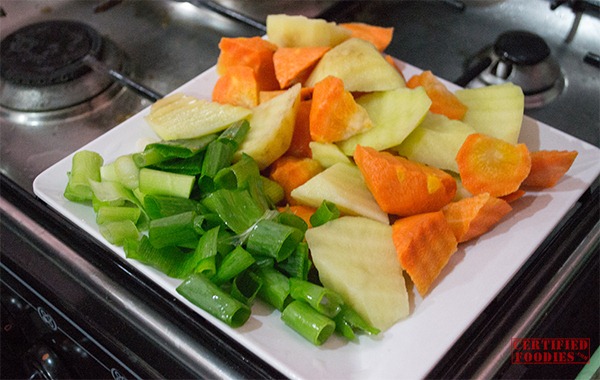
point(403, 187)
point(294, 64)
point(237, 87)
point(291, 172)
point(300, 146)
point(424, 244)
point(334, 115)
point(548, 167)
point(488, 164)
point(473, 216)
point(379, 36)
point(253, 52)
point(443, 101)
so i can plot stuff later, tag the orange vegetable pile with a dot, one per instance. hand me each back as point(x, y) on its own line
point(429, 220)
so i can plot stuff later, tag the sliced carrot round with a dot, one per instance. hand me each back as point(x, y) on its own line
point(488, 164)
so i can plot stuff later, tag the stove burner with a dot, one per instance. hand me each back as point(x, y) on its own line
point(48, 53)
point(44, 70)
point(522, 58)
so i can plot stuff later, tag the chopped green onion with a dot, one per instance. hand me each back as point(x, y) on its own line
point(292, 220)
point(218, 156)
point(272, 190)
point(157, 182)
point(159, 206)
point(187, 166)
point(174, 230)
point(348, 321)
point(298, 264)
point(85, 167)
point(166, 150)
point(127, 172)
point(275, 289)
point(170, 260)
point(234, 263)
point(206, 250)
point(308, 322)
point(118, 232)
point(238, 174)
point(269, 238)
point(323, 300)
point(326, 212)
point(245, 287)
point(236, 133)
point(203, 293)
point(238, 210)
point(108, 214)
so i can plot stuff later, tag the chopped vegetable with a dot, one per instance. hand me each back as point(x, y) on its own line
point(308, 322)
point(294, 64)
point(490, 165)
point(361, 265)
point(471, 217)
point(254, 52)
point(207, 295)
point(548, 167)
point(443, 101)
point(85, 166)
point(291, 172)
point(334, 115)
point(300, 145)
point(377, 35)
point(238, 87)
point(402, 187)
point(424, 244)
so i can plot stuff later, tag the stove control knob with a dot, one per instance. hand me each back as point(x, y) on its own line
point(43, 363)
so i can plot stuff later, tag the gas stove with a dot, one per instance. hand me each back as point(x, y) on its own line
point(92, 64)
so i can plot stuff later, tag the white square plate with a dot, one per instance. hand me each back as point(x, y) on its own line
point(473, 277)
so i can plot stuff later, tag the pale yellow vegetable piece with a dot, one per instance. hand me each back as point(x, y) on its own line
point(299, 31)
point(180, 116)
point(327, 153)
point(359, 65)
point(344, 185)
point(395, 114)
point(495, 110)
point(436, 141)
point(356, 257)
point(271, 128)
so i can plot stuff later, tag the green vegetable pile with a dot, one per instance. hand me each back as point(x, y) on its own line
point(185, 208)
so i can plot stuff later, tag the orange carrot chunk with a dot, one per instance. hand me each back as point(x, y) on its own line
point(335, 115)
point(510, 198)
point(443, 101)
point(294, 64)
point(403, 187)
point(473, 216)
point(300, 145)
point(490, 165)
point(237, 87)
point(379, 36)
point(548, 167)
point(424, 244)
point(253, 52)
point(291, 172)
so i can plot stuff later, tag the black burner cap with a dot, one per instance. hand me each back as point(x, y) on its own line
point(49, 52)
point(521, 48)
